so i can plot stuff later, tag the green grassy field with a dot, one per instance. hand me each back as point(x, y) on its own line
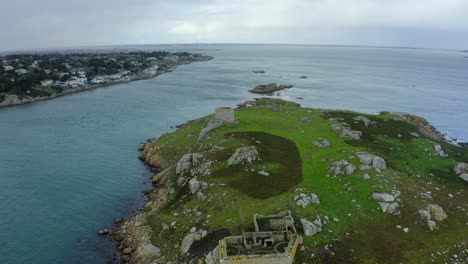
point(362, 233)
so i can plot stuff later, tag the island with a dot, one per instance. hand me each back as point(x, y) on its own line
point(26, 78)
point(274, 182)
point(269, 88)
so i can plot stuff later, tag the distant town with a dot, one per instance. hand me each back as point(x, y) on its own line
point(30, 77)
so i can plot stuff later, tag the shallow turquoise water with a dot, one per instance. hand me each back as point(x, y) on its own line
point(69, 166)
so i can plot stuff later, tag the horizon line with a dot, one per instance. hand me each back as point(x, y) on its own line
point(103, 46)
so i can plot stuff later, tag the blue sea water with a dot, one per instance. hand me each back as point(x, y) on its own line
point(69, 166)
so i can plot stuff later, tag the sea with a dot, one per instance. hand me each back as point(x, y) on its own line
point(69, 166)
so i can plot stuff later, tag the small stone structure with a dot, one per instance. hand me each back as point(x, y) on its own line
point(225, 114)
point(274, 241)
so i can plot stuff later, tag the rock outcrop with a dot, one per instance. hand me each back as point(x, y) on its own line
point(243, 155)
point(346, 132)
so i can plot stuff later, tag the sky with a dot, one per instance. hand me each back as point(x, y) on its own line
point(439, 24)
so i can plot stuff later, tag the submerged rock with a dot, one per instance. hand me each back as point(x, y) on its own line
point(243, 155)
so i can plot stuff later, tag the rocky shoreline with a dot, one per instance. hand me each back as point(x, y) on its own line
point(13, 100)
point(133, 237)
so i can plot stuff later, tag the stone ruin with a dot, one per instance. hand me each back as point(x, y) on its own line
point(274, 241)
point(225, 114)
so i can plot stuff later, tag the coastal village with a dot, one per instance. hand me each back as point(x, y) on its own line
point(25, 77)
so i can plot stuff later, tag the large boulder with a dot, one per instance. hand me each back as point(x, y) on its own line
point(304, 200)
point(243, 155)
point(190, 239)
point(322, 143)
point(439, 151)
point(432, 212)
point(437, 212)
point(383, 197)
point(149, 250)
point(311, 228)
point(461, 169)
point(387, 202)
point(212, 257)
point(368, 159)
point(341, 167)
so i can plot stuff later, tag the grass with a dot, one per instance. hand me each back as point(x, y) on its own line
point(363, 234)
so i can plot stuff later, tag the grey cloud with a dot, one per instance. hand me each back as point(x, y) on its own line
point(59, 23)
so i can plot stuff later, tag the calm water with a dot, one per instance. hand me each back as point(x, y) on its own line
point(69, 166)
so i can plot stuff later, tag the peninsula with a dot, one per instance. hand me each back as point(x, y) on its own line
point(273, 182)
point(26, 78)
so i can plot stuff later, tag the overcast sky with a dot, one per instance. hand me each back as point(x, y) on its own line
point(69, 23)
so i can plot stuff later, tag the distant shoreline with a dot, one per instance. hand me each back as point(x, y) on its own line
point(16, 101)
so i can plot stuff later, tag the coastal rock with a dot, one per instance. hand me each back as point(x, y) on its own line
point(243, 155)
point(148, 250)
point(258, 71)
point(322, 143)
point(341, 167)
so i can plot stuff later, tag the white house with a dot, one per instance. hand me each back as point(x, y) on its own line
point(8, 68)
point(47, 83)
point(21, 71)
